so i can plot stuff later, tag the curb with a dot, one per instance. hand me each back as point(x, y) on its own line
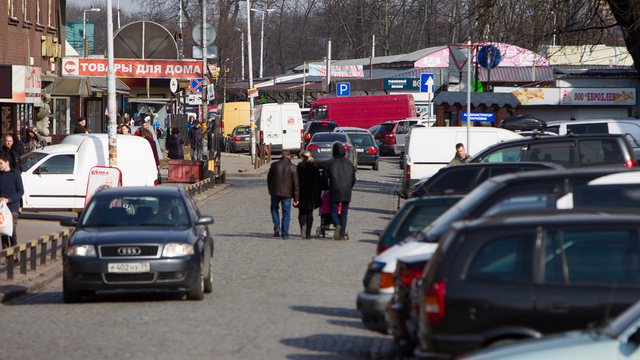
point(39, 282)
point(260, 173)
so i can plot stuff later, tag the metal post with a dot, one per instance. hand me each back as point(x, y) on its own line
point(84, 33)
point(328, 66)
point(468, 147)
point(304, 83)
point(250, 61)
point(262, 44)
point(111, 91)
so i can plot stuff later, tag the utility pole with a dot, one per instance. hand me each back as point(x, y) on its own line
point(250, 60)
point(111, 91)
point(205, 109)
point(328, 66)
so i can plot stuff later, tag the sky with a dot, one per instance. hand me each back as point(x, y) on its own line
point(124, 4)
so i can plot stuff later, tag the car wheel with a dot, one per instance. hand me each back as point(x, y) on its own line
point(376, 166)
point(69, 296)
point(208, 281)
point(197, 293)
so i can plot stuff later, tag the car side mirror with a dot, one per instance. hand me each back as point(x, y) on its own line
point(205, 220)
point(69, 221)
point(41, 170)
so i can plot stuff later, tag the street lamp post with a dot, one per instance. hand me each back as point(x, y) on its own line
point(84, 29)
point(554, 28)
point(242, 47)
point(262, 35)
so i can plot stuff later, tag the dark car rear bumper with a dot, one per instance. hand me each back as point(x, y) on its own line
point(367, 159)
point(169, 274)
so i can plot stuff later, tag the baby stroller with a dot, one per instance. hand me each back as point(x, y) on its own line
point(326, 227)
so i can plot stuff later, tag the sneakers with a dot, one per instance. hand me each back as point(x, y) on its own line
point(276, 233)
point(303, 232)
point(343, 238)
point(336, 233)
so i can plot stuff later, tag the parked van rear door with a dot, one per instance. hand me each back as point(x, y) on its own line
point(271, 126)
point(291, 126)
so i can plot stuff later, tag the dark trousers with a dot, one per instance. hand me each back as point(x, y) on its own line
point(9, 241)
point(305, 217)
point(340, 219)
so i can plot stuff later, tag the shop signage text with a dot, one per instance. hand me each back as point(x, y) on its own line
point(402, 84)
point(160, 69)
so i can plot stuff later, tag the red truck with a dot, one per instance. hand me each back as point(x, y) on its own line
point(363, 111)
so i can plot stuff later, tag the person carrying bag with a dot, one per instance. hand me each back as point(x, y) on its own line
point(11, 191)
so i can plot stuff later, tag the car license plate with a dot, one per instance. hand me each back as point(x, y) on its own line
point(324, 150)
point(129, 267)
point(360, 150)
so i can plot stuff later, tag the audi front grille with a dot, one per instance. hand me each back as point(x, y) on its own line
point(129, 251)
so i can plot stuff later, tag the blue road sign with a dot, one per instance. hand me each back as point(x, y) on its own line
point(489, 56)
point(426, 83)
point(196, 85)
point(343, 89)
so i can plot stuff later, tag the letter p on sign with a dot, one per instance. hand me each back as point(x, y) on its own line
point(343, 89)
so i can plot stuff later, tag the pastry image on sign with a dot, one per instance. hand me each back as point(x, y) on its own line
point(622, 97)
point(526, 96)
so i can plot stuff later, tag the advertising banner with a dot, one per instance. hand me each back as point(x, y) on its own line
point(598, 96)
point(532, 95)
point(101, 178)
point(336, 71)
point(402, 84)
point(26, 85)
point(127, 68)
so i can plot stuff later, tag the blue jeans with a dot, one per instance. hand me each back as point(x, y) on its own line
point(199, 154)
point(339, 219)
point(286, 214)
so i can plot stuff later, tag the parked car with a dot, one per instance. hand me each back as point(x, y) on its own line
point(138, 238)
point(366, 149)
point(403, 129)
point(321, 146)
point(412, 217)
point(617, 339)
point(520, 276)
point(386, 134)
point(568, 151)
point(374, 129)
point(240, 138)
point(461, 179)
point(313, 127)
point(596, 188)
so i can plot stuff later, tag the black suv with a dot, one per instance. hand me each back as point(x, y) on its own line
point(501, 279)
point(313, 127)
point(461, 179)
point(569, 150)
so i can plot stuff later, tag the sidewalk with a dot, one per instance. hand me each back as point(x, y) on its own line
point(236, 165)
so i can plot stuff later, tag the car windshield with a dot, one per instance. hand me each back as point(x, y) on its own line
point(361, 139)
point(30, 159)
point(243, 130)
point(322, 127)
point(135, 211)
point(328, 137)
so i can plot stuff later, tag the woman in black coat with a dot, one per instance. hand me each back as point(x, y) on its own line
point(310, 192)
point(174, 145)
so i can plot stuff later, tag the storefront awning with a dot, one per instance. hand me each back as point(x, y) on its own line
point(99, 84)
point(69, 86)
point(477, 99)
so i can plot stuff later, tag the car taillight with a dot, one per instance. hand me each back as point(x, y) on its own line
point(434, 302)
point(346, 147)
point(312, 147)
point(382, 249)
point(307, 137)
point(371, 150)
point(222, 126)
point(301, 135)
point(155, 182)
point(406, 276)
point(408, 171)
point(630, 163)
point(386, 280)
point(236, 138)
point(261, 136)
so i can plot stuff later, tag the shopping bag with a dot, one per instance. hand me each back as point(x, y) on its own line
point(6, 220)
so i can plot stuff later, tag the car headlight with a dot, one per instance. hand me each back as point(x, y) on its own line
point(175, 249)
point(81, 251)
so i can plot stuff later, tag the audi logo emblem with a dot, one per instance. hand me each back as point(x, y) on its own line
point(129, 251)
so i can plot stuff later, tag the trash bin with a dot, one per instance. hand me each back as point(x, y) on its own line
point(185, 171)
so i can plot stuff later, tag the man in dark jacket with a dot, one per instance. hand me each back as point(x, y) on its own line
point(11, 190)
point(194, 139)
point(15, 151)
point(339, 176)
point(310, 191)
point(81, 126)
point(283, 185)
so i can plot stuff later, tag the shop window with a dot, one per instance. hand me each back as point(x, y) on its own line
point(59, 119)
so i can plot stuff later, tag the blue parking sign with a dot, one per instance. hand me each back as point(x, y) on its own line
point(343, 89)
point(426, 83)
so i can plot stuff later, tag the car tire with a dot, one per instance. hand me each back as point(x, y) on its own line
point(376, 166)
point(197, 293)
point(208, 280)
point(70, 296)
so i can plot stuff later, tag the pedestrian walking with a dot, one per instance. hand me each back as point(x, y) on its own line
point(461, 157)
point(144, 126)
point(310, 183)
point(338, 177)
point(174, 145)
point(15, 151)
point(33, 141)
point(283, 185)
point(149, 137)
point(81, 125)
point(194, 139)
point(11, 191)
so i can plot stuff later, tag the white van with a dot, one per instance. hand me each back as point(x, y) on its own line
point(430, 148)
point(279, 125)
point(55, 178)
point(630, 126)
point(403, 129)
